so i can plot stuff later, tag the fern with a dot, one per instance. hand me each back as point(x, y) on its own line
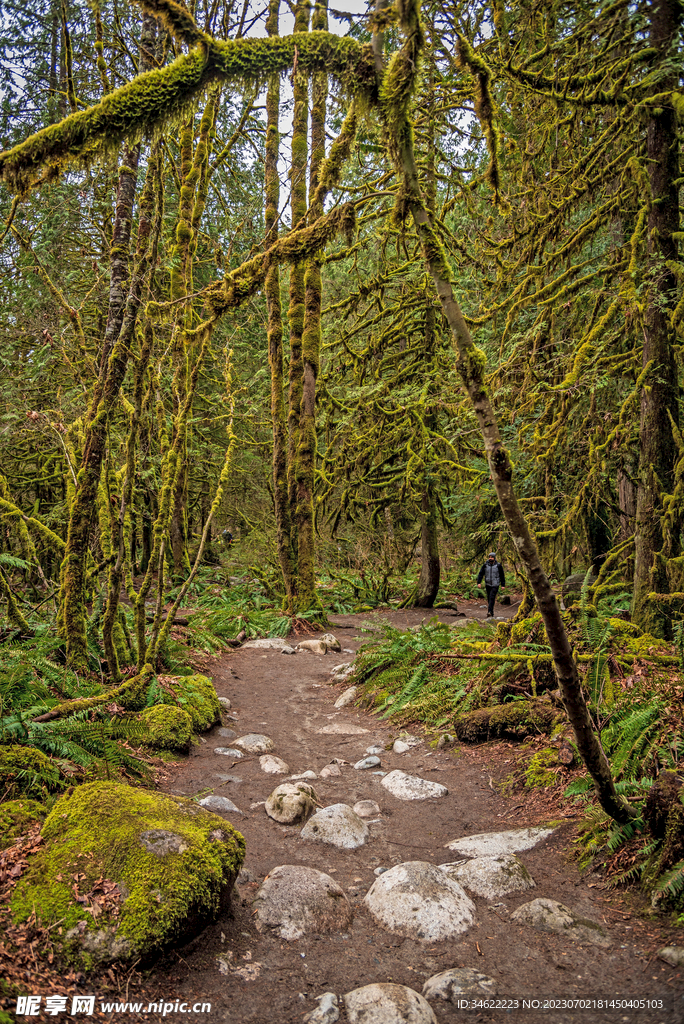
point(670, 885)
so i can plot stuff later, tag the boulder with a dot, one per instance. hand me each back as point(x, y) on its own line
point(313, 646)
point(27, 772)
point(366, 808)
point(255, 743)
point(273, 765)
point(410, 787)
point(337, 825)
point(491, 877)
point(167, 728)
point(127, 871)
point(219, 804)
point(295, 900)
point(17, 817)
point(291, 802)
point(271, 643)
point(491, 844)
point(419, 901)
point(386, 1003)
point(549, 916)
point(347, 697)
point(196, 695)
point(459, 983)
point(331, 642)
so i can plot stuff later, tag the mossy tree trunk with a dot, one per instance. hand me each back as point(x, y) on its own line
point(660, 392)
point(428, 584)
point(311, 348)
point(395, 92)
point(275, 329)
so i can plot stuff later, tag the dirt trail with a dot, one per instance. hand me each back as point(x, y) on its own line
point(252, 978)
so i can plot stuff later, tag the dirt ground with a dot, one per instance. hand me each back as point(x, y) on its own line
point(258, 979)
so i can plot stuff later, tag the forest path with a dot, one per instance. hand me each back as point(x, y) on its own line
point(253, 978)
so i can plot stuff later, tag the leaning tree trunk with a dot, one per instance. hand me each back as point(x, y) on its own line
point(395, 94)
point(660, 392)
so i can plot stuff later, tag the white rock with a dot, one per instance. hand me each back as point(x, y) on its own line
point(337, 825)
point(399, 747)
point(410, 787)
point(331, 642)
point(271, 643)
point(491, 877)
point(273, 765)
point(347, 697)
point(308, 774)
point(673, 955)
point(367, 762)
point(314, 646)
point(291, 802)
point(345, 667)
point(255, 743)
point(385, 1003)
point(489, 844)
point(342, 729)
point(289, 650)
point(419, 901)
point(219, 804)
point(295, 900)
point(228, 752)
point(225, 703)
point(409, 740)
point(327, 1011)
point(375, 750)
point(549, 916)
point(459, 983)
point(366, 808)
point(329, 771)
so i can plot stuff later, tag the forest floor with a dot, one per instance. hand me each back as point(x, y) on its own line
point(253, 978)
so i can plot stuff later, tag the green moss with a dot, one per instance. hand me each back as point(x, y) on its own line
point(169, 727)
point(25, 771)
point(196, 695)
point(16, 819)
point(172, 861)
point(539, 771)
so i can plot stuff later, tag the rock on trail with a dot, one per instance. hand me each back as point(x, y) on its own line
point(491, 877)
point(295, 900)
point(490, 844)
point(338, 825)
point(291, 802)
point(386, 1003)
point(551, 916)
point(410, 787)
point(419, 901)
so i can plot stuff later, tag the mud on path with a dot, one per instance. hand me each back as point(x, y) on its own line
point(253, 978)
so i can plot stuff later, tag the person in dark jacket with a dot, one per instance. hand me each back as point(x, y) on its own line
point(493, 574)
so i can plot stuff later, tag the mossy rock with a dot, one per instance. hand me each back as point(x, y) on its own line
point(16, 819)
point(168, 727)
point(514, 721)
point(531, 627)
point(168, 868)
point(27, 772)
point(539, 771)
point(196, 695)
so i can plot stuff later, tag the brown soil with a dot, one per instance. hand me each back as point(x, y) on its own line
point(267, 980)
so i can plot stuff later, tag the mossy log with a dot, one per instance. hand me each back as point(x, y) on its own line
point(511, 721)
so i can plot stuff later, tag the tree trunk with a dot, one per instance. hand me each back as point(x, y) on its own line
point(660, 393)
point(428, 584)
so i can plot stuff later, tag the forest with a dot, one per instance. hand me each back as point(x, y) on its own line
point(304, 312)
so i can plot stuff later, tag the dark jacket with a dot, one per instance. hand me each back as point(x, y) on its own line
point(484, 574)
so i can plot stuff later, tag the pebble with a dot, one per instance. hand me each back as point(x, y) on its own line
point(386, 1003)
point(379, 871)
point(491, 877)
point(295, 900)
point(225, 703)
point(375, 750)
point(399, 747)
point(489, 844)
point(410, 787)
point(366, 808)
point(228, 751)
point(337, 825)
point(291, 802)
point(255, 743)
point(273, 765)
point(219, 804)
point(550, 916)
point(367, 762)
point(419, 901)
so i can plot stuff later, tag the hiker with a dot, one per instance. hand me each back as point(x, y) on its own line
point(493, 574)
point(226, 538)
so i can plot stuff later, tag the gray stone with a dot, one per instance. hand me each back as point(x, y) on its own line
point(342, 729)
point(367, 762)
point(491, 877)
point(227, 734)
point(337, 825)
point(255, 743)
point(347, 697)
point(399, 747)
point(291, 802)
point(313, 646)
point(228, 751)
point(385, 1003)
point(225, 703)
point(271, 643)
point(308, 774)
point(331, 642)
point(219, 804)
point(549, 916)
point(375, 750)
point(288, 650)
point(404, 742)
point(490, 844)
point(295, 900)
point(410, 787)
point(273, 765)
point(445, 740)
point(419, 901)
point(379, 871)
point(161, 842)
point(329, 771)
point(327, 1011)
point(673, 955)
point(366, 808)
point(459, 983)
